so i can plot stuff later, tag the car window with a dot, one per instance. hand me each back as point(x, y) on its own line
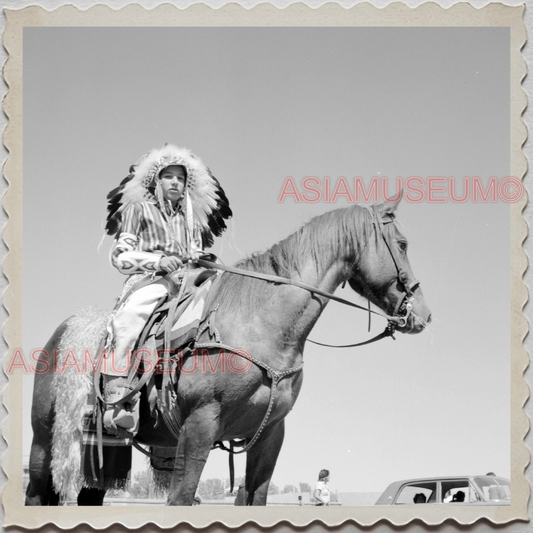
point(458, 491)
point(417, 493)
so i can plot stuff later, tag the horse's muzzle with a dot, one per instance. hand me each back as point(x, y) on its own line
point(413, 315)
point(414, 324)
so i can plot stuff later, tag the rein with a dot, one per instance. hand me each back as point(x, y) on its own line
point(287, 281)
point(392, 321)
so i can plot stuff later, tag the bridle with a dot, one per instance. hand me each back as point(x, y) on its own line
point(405, 301)
point(404, 304)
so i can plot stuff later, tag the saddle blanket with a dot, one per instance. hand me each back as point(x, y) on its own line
point(186, 326)
point(115, 471)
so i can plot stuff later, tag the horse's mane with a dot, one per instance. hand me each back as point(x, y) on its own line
point(342, 231)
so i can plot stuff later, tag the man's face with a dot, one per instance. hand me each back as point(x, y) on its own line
point(173, 182)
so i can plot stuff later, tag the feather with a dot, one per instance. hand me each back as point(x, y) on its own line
point(216, 221)
point(209, 201)
point(114, 211)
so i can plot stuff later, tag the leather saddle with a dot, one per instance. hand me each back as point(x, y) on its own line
point(174, 324)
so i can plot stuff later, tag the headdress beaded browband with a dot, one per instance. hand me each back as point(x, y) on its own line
point(207, 198)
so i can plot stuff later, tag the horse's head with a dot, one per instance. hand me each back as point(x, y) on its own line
point(382, 273)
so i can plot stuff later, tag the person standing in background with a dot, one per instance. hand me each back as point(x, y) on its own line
point(322, 493)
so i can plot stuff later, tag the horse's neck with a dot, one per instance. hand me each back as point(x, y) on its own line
point(327, 280)
point(306, 307)
point(275, 327)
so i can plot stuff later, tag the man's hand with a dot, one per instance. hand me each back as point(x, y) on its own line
point(170, 263)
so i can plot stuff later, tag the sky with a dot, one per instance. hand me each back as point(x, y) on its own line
point(259, 105)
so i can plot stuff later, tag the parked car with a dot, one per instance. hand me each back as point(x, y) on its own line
point(460, 490)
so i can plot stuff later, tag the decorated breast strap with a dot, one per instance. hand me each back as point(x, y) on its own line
point(274, 375)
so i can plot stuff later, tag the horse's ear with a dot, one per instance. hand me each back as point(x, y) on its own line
point(388, 209)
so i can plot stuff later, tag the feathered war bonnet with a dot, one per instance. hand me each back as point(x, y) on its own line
point(206, 197)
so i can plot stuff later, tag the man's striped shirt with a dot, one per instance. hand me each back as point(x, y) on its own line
point(147, 234)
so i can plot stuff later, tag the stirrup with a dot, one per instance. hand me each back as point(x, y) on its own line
point(121, 421)
point(121, 417)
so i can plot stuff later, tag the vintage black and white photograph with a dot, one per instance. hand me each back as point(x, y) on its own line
point(268, 266)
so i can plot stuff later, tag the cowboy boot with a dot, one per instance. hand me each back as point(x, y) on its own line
point(123, 415)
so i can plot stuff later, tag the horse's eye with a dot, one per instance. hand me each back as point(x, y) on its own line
point(403, 246)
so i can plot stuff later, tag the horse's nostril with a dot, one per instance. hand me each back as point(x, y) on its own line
point(429, 319)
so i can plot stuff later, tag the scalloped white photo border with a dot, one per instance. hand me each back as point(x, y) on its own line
point(397, 14)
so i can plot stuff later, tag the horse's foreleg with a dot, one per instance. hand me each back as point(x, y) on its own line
point(240, 499)
point(196, 438)
point(260, 464)
point(90, 496)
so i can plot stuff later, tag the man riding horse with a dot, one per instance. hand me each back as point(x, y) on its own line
point(259, 311)
point(162, 215)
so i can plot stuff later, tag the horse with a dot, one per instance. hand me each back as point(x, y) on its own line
point(270, 321)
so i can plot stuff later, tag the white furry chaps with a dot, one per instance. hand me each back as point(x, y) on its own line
point(84, 332)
